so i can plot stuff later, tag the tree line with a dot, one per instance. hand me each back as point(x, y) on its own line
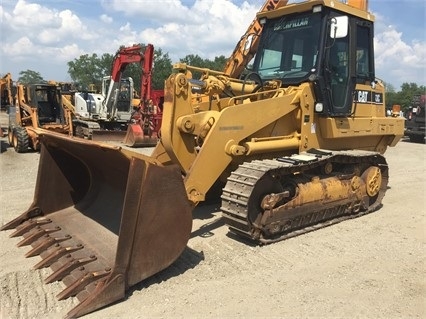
point(88, 70)
point(404, 97)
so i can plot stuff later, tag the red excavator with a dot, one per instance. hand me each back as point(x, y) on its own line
point(109, 119)
point(144, 131)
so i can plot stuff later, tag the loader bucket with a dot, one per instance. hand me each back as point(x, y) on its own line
point(102, 220)
point(135, 137)
point(108, 135)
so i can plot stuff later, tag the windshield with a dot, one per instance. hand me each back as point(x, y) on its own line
point(289, 47)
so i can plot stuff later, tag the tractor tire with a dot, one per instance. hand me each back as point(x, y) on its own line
point(21, 140)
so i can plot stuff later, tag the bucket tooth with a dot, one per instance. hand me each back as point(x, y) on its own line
point(68, 267)
point(106, 292)
point(45, 244)
point(55, 255)
point(28, 225)
point(33, 236)
point(27, 215)
point(81, 283)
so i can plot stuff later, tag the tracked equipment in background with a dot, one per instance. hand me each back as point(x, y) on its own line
point(106, 116)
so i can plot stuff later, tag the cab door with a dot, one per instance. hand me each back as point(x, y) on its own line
point(338, 71)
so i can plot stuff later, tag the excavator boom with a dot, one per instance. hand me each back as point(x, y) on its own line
point(139, 126)
point(247, 46)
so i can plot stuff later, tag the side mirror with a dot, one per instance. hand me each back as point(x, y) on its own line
point(339, 27)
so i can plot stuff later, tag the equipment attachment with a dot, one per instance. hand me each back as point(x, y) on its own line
point(107, 135)
point(100, 221)
point(135, 137)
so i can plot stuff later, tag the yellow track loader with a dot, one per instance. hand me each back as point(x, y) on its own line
point(296, 144)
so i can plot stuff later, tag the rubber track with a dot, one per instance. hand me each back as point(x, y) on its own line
point(242, 181)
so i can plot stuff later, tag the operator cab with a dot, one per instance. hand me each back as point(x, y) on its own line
point(330, 48)
point(47, 98)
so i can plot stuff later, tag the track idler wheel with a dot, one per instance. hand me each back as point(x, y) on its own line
point(373, 180)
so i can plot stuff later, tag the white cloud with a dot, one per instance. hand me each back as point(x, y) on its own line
point(213, 28)
point(105, 18)
point(400, 62)
point(72, 25)
point(28, 15)
point(42, 36)
point(68, 52)
point(166, 11)
point(2, 13)
point(22, 46)
point(37, 32)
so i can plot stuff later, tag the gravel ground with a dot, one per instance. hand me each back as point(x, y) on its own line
point(369, 267)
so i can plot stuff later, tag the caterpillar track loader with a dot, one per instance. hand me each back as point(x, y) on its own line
point(296, 145)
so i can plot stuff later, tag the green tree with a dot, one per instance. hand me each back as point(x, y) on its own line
point(217, 64)
point(390, 95)
point(30, 77)
point(88, 70)
point(195, 60)
point(408, 90)
point(162, 69)
point(404, 97)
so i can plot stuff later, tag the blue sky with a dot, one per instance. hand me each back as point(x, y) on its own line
point(43, 35)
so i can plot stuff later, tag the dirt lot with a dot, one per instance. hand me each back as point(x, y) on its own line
point(370, 267)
